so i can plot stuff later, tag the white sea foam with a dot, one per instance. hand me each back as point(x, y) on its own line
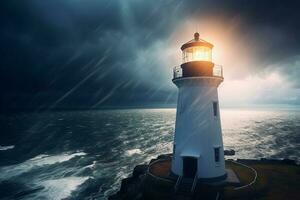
point(38, 161)
point(91, 166)
point(57, 189)
point(133, 151)
point(41, 160)
point(4, 148)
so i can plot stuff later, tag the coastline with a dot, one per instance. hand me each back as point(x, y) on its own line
point(272, 175)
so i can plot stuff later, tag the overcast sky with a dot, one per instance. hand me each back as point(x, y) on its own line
point(98, 53)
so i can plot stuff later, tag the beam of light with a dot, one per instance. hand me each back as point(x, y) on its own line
point(254, 89)
point(248, 78)
point(108, 95)
point(101, 60)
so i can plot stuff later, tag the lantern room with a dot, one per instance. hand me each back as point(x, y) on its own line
point(196, 50)
point(197, 60)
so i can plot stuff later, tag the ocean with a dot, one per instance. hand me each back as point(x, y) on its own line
point(86, 154)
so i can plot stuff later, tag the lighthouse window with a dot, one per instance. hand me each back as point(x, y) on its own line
point(174, 148)
point(215, 108)
point(217, 154)
point(197, 53)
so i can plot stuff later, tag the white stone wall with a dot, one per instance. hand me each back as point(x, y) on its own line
point(197, 130)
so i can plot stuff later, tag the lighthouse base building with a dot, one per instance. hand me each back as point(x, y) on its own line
point(198, 146)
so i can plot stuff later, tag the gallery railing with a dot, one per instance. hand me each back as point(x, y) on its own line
point(217, 71)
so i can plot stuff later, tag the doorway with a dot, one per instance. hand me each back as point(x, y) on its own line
point(189, 167)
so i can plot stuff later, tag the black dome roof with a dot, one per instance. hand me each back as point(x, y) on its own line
point(197, 41)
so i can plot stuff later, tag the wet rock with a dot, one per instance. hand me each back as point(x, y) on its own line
point(139, 170)
point(164, 156)
point(229, 152)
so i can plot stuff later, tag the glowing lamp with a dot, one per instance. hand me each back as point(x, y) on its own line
point(197, 59)
point(196, 50)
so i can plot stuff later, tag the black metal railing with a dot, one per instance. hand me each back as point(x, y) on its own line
point(218, 71)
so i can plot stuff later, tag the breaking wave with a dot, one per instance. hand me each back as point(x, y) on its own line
point(4, 148)
point(61, 188)
point(36, 162)
point(133, 151)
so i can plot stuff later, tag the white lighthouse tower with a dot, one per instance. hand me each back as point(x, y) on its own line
point(198, 147)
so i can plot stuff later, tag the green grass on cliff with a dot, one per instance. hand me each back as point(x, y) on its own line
point(274, 182)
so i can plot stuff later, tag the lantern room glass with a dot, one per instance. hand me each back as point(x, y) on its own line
point(197, 53)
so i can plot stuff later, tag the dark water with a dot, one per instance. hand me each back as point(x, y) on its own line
point(85, 154)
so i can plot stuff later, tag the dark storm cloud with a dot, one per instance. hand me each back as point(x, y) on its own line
point(275, 26)
point(272, 28)
point(95, 53)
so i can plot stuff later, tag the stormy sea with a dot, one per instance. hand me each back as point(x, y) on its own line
point(86, 154)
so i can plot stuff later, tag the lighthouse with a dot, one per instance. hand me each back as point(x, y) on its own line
point(198, 146)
